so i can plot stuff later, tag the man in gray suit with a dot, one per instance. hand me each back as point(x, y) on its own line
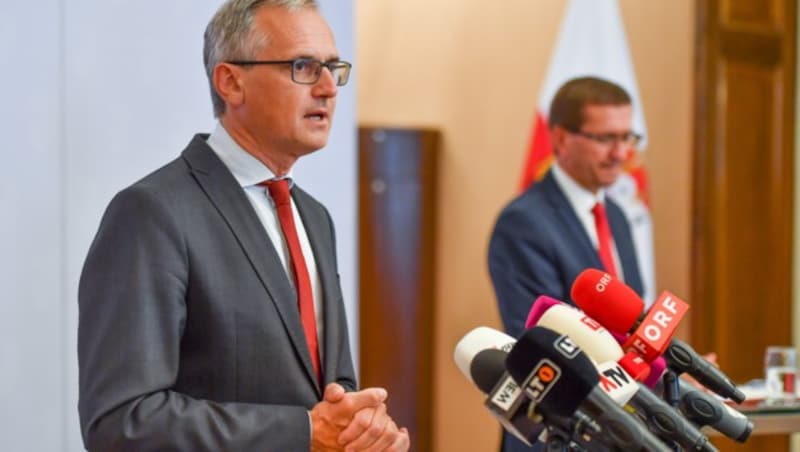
point(211, 316)
point(565, 223)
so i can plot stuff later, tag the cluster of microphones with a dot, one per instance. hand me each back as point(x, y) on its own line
point(605, 377)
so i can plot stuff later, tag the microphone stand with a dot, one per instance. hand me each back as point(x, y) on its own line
point(557, 441)
point(671, 396)
point(561, 431)
point(671, 388)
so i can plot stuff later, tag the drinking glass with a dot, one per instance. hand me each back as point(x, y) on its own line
point(780, 367)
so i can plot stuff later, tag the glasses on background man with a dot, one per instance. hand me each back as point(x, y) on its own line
point(609, 140)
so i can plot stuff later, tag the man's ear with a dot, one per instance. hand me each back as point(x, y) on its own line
point(228, 83)
point(557, 137)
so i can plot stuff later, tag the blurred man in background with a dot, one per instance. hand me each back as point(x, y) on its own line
point(565, 223)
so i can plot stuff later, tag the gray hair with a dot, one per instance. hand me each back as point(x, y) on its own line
point(230, 36)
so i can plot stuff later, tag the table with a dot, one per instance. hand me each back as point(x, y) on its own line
point(768, 420)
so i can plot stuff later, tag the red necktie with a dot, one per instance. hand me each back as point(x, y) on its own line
point(279, 191)
point(604, 239)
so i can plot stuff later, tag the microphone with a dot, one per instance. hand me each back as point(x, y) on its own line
point(618, 308)
point(704, 409)
point(539, 307)
point(480, 356)
point(657, 366)
point(559, 379)
point(682, 358)
point(477, 340)
point(636, 367)
point(584, 331)
point(650, 332)
point(662, 419)
point(600, 345)
point(630, 362)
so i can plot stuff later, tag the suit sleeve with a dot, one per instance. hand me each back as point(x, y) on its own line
point(131, 315)
point(522, 266)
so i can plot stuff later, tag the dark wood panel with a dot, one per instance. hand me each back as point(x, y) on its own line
point(743, 186)
point(757, 49)
point(397, 197)
point(761, 12)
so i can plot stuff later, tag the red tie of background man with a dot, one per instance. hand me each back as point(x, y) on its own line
point(604, 238)
point(279, 191)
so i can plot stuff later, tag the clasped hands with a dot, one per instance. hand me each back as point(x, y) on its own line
point(355, 421)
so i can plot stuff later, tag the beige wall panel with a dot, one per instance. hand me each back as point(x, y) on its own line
point(473, 70)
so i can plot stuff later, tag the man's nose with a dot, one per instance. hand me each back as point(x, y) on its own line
point(620, 149)
point(326, 85)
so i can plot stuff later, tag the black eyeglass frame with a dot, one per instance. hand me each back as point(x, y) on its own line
point(331, 65)
point(608, 139)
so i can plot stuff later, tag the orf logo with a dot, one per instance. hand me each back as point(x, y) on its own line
point(603, 283)
point(543, 377)
point(566, 347)
point(591, 323)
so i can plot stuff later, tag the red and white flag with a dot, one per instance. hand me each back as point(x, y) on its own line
point(592, 42)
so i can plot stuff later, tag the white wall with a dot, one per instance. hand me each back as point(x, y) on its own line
point(32, 305)
point(97, 94)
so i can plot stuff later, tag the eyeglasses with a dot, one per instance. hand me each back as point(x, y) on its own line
point(610, 139)
point(306, 71)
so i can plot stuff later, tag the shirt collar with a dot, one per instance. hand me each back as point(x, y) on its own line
point(247, 169)
point(582, 200)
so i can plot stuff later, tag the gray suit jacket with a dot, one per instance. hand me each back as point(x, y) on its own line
point(539, 247)
point(189, 334)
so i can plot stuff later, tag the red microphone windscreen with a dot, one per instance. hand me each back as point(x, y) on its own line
point(657, 367)
point(540, 306)
point(606, 299)
point(636, 367)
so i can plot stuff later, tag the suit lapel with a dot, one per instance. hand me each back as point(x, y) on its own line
point(578, 238)
point(230, 200)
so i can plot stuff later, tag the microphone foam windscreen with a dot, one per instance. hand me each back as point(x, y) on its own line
point(587, 334)
point(480, 338)
point(657, 366)
point(635, 366)
point(607, 300)
point(487, 368)
point(540, 306)
point(561, 375)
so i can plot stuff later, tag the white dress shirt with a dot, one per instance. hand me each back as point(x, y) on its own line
point(249, 172)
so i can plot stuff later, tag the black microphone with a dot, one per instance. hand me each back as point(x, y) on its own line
point(480, 356)
point(705, 410)
point(505, 399)
point(559, 379)
point(682, 358)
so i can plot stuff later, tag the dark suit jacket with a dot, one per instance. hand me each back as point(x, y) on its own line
point(539, 247)
point(189, 333)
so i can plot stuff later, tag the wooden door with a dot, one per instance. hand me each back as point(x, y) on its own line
point(397, 212)
point(743, 186)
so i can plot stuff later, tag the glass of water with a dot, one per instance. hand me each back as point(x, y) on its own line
point(780, 365)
